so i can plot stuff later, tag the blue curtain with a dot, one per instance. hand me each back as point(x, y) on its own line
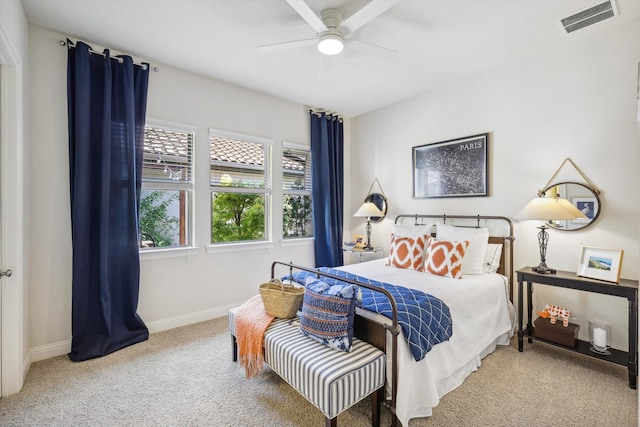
point(327, 157)
point(107, 98)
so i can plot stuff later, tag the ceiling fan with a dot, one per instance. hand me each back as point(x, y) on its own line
point(332, 31)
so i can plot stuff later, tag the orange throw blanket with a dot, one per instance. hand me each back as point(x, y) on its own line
point(251, 323)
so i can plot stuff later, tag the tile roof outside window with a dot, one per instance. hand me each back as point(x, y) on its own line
point(166, 143)
point(247, 153)
point(173, 146)
point(167, 154)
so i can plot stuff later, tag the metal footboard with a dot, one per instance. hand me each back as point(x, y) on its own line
point(364, 333)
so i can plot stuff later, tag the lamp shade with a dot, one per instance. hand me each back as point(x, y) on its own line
point(571, 208)
point(368, 209)
point(548, 209)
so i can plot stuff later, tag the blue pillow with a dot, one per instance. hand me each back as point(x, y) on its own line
point(328, 312)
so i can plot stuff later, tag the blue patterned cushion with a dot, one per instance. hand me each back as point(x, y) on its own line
point(425, 320)
point(327, 313)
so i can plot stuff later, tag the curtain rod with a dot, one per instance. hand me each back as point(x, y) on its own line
point(120, 60)
point(329, 114)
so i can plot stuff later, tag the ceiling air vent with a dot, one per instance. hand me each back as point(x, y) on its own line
point(589, 16)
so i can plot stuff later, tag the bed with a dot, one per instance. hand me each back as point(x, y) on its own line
point(480, 306)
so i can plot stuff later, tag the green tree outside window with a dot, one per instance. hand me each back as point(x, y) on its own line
point(237, 217)
point(296, 213)
point(156, 225)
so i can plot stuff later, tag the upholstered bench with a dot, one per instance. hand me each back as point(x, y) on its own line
point(330, 379)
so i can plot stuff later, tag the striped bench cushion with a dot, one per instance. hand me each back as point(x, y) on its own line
point(331, 380)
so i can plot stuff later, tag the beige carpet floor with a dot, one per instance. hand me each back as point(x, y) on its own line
point(185, 377)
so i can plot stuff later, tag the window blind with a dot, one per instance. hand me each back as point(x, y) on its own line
point(167, 156)
point(239, 164)
point(296, 170)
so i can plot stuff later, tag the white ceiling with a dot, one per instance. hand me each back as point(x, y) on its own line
point(437, 41)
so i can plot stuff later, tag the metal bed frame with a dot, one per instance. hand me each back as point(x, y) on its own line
point(375, 332)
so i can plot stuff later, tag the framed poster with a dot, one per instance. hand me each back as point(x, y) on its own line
point(454, 168)
point(600, 263)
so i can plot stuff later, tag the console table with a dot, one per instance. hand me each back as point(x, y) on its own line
point(564, 279)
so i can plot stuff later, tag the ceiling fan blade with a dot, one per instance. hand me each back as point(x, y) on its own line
point(308, 15)
point(325, 71)
point(382, 48)
point(368, 13)
point(275, 47)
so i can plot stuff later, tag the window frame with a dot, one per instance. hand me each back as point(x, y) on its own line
point(308, 171)
point(267, 191)
point(189, 247)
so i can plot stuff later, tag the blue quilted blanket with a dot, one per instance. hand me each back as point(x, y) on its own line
point(425, 320)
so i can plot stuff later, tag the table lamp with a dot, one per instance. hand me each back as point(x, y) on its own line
point(547, 209)
point(368, 210)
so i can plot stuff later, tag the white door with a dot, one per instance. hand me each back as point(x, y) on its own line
point(1, 259)
point(13, 48)
point(12, 332)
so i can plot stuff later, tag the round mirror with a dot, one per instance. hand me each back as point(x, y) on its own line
point(381, 202)
point(580, 196)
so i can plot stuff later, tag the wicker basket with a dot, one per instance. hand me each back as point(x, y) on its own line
point(281, 300)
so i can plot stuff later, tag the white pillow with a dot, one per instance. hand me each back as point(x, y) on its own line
point(478, 238)
point(412, 231)
point(492, 258)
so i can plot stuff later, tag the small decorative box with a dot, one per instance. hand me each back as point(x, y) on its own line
point(556, 333)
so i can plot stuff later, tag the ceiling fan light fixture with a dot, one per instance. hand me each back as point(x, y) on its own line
point(330, 44)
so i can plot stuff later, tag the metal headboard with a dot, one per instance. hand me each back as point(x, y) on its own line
point(508, 264)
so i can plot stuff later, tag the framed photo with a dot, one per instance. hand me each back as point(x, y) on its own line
point(600, 263)
point(454, 168)
point(360, 240)
point(586, 205)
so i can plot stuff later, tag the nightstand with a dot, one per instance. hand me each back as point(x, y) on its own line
point(354, 255)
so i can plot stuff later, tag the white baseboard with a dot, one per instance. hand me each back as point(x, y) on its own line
point(188, 319)
point(50, 350)
point(64, 347)
point(26, 363)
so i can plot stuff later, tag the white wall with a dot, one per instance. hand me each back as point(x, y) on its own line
point(577, 100)
point(174, 291)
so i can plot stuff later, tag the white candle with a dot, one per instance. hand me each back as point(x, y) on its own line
point(600, 337)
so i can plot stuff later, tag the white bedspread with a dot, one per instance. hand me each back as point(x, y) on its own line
point(482, 317)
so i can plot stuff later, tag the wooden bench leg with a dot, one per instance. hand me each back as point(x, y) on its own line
point(376, 403)
point(394, 420)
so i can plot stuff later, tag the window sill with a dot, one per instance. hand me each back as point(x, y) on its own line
point(237, 247)
point(152, 254)
point(300, 241)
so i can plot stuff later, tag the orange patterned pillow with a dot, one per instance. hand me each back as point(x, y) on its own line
point(445, 258)
point(407, 252)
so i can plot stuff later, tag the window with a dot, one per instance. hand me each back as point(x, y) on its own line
point(167, 187)
point(240, 187)
point(297, 220)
